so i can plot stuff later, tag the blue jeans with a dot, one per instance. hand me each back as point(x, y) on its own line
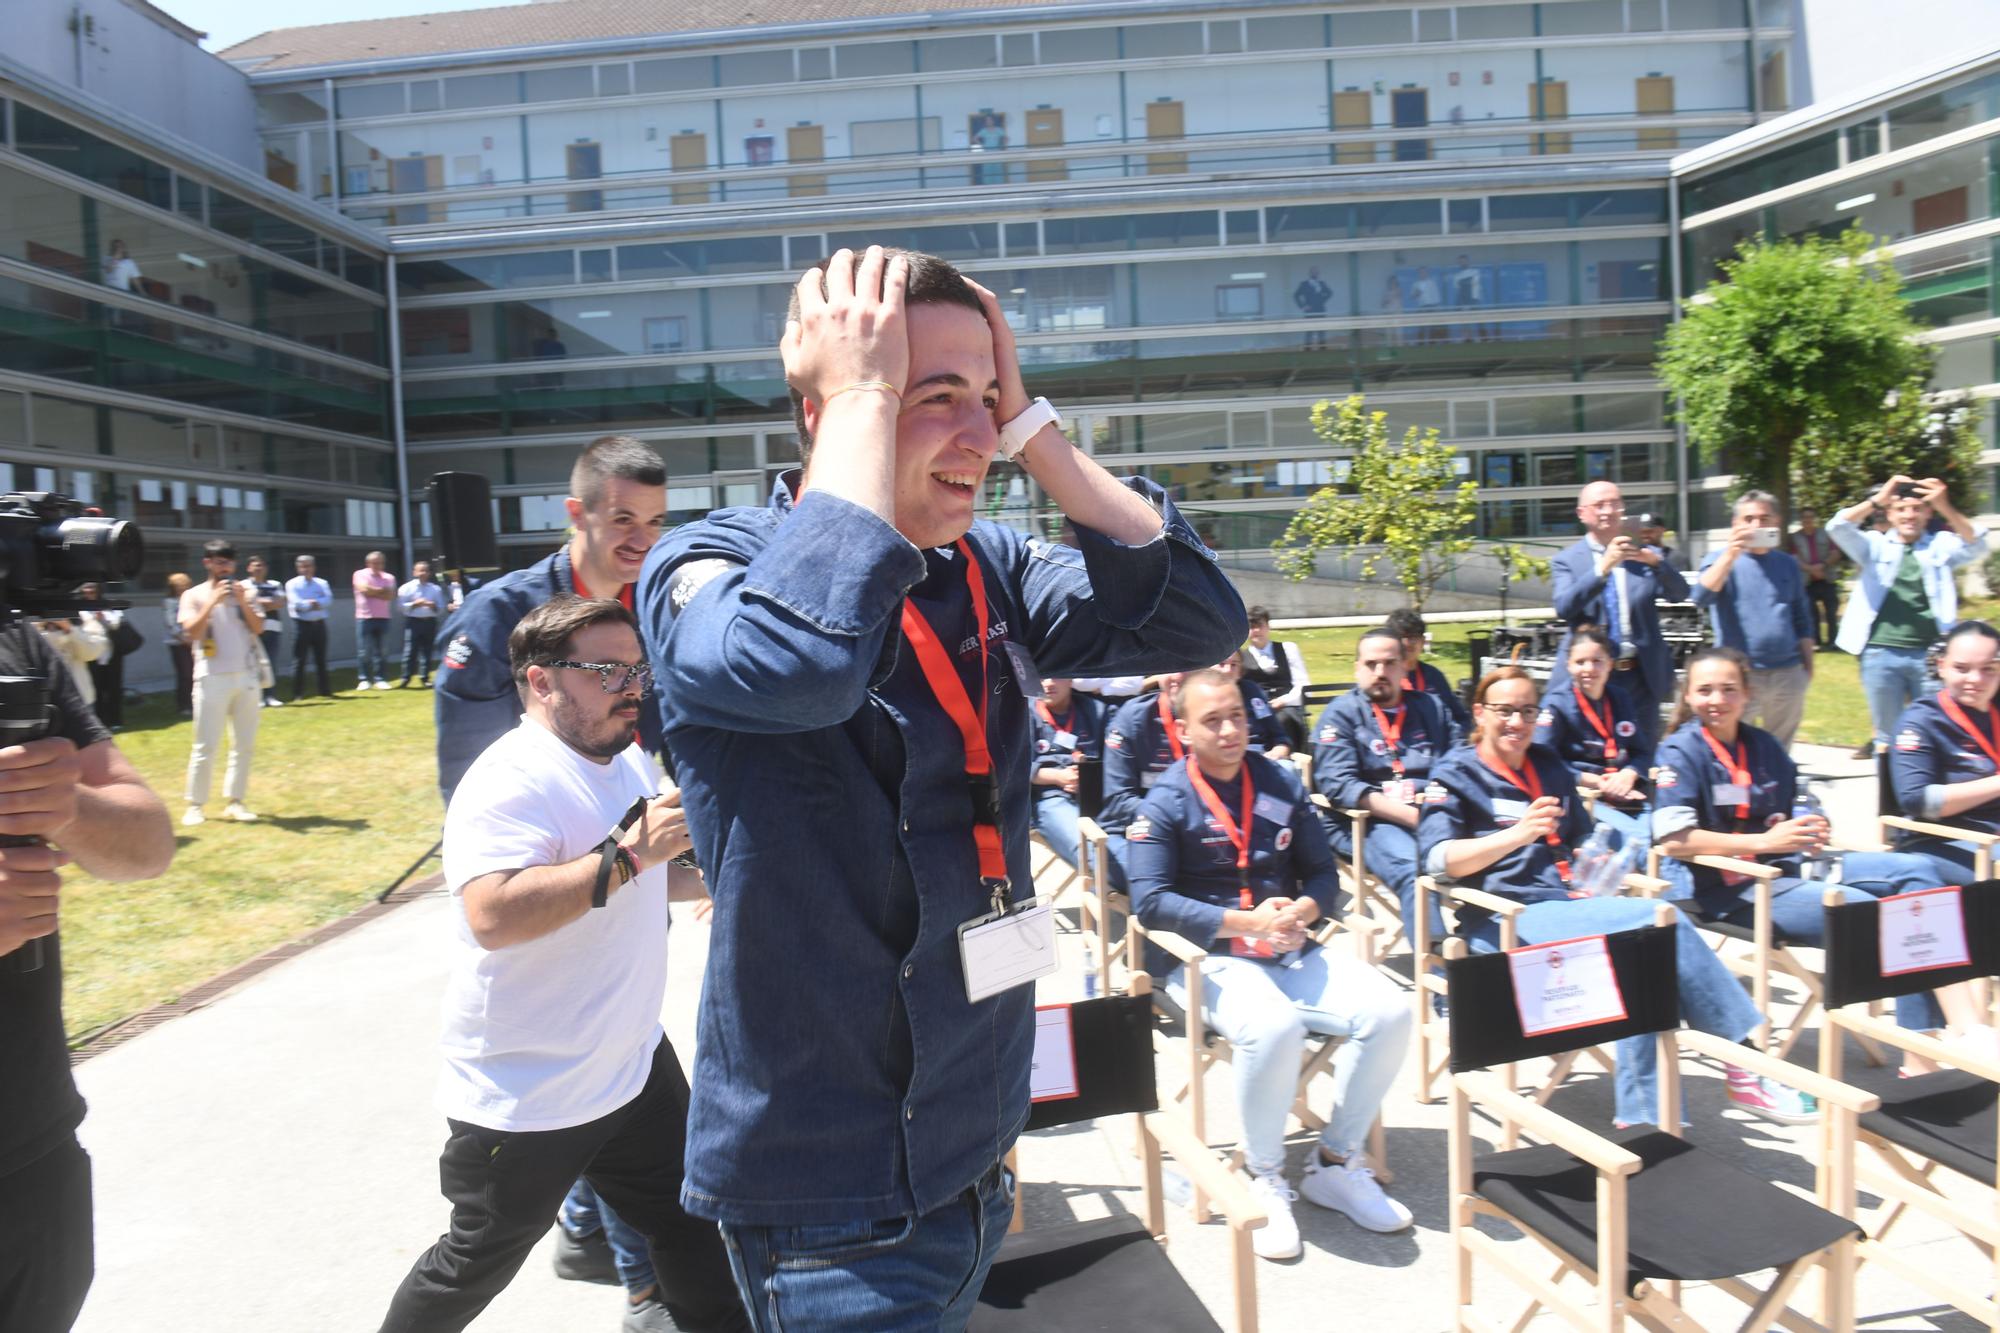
point(1265, 1009)
point(887, 1275)
point(372, 648)
point(1056, 818)
point(583, 1212)
point(1390, 855)
point(1892, 678)
point(1712, 1001)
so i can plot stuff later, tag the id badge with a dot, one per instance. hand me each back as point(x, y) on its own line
point(1729, 793)
point(1001, 950)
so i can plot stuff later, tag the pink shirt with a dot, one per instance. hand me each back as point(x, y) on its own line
point(371, 608)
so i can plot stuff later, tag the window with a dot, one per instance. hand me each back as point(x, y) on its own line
point(1239, 300)
point(1683, 15)
point(614, 80)
point(594, 265)
point(940, 53)
point(1573, 19)
point(62, 145)
point(557, 85)
point(1433, 25)
point(1401, 217)
point(750, 67)
point(666, 333)
point(1017, 48)
point(1022, 239)
point(871, 59)
point(1241, 226)
point(1061, 46)
point(1463, 215)
point(1308, 222)
point(1302, 32)
point(1161, 231)
point(1476, 21)
point(679, 74)
point(426, 95)
point(1145, 40)
point(816, 62)
point(1382, 27)
point(468, 91)
point(1225, 37)
point(370, 99)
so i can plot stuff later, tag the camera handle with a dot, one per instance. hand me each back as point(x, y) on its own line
point(24, 716)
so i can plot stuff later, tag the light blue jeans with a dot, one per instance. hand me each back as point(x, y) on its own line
point(1892, 678)
point(1056, 818)
point(583, 1212)
point(1265, 1008)
point(1712, 1000)
point(887, 1275)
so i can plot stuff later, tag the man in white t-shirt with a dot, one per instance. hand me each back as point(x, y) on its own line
point(555, 1064)
point(222, 622)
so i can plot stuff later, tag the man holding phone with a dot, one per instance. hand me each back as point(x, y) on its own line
point(222, 621)
point(1609, 579)
point(1907, 594)
point(1759, 606)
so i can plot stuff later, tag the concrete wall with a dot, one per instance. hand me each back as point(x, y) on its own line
point(1851, 44)
point(122, 53)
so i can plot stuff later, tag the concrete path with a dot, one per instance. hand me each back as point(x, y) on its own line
point(269, 1163)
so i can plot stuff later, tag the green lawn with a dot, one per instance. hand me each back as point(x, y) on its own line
point(347, 791)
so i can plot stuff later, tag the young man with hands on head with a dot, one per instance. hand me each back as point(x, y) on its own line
point(846, 684)
point(1227, 853)
point(557, 850)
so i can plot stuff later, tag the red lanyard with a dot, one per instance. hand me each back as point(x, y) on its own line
point(1415, 681)
point(1239, 835)
point(942, 677)
point(1602, 728)
point(1960, 716)
point(624, 589)
point(1530, 783)
point(1393, 738)
point(1738, 768)
point(1042, 708)
point(1167, 725)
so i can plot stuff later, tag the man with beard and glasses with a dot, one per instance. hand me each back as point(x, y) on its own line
point(556, 850)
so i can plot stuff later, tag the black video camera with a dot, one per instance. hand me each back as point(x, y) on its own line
point(51, 545)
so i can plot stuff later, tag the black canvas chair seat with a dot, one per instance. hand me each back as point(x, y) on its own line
point(1739, 932)
point(1948, 1117)
point(1692, 1215)
point(1107, 1275)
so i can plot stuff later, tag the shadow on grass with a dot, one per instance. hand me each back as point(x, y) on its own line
point(307, 823)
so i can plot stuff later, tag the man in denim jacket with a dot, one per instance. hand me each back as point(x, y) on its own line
point(1907, 592)
point(851, 1106)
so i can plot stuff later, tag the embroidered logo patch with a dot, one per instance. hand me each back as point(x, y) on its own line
point(1114, 740)
point(459, 652)
point(1329, 733)
point(1139, 829)
point(1284, 839)
point(1665, 776)
point(1625, 728)
point(1909, 740)
point(1548, 715)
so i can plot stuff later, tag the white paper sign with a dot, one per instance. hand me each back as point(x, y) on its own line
point(1052, 1075)
point(1923, 931)
point(1564, 985)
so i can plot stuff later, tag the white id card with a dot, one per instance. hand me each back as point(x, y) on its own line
point(1508, 810)
point(1729, 793)
point(1065, 740)
point(1564, 985)
point(1271, 808)
point(1923, 931)
point(1052, 1073)
point(1002, 950)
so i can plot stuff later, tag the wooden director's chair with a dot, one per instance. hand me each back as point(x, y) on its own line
point(1634, 1213)
point(1114, 1272)
point(1892, 818)
point(1923, 1126)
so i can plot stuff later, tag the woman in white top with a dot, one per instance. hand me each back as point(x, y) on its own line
point(78, 642)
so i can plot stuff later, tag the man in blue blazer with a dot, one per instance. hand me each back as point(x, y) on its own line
point(1609, 580)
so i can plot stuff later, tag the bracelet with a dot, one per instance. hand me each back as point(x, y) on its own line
point(883, 385)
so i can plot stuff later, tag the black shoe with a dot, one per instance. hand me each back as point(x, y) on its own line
point(403, 684)
point(1865, 750)
point(648, 1316)
point(585, 1259)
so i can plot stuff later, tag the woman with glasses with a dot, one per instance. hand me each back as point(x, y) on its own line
point(1502, 816)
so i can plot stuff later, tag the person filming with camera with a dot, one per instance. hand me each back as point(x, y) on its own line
point(1756, 599)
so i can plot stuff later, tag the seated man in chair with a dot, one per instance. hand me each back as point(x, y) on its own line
point(1227, 853)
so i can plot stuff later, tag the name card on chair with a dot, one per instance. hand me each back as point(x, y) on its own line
point(1052, 1068)
point(1923, 931)
point(1565, 984)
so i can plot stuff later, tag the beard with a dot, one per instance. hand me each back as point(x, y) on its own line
point(598, 737)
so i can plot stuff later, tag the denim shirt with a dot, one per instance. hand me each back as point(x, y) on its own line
point(840, 1072)
point(1876, 555)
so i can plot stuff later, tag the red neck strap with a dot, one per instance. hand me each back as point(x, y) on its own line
point(1602, 728)
point(1392, 737)
point(1167, 725)
point(1737, 767)
point(1239, 834)
point(1957, 714)
point(942, 677)
point(1529, 783)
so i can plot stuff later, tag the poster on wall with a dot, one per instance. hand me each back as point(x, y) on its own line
point(758, 150)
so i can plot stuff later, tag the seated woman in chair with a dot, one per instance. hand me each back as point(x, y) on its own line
point(1502, 816)
point(1723, 788)
point(1068, 727)
point(1227, 852)
point(1593, 726)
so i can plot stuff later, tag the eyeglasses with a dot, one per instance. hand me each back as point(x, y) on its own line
point(616, 677)
point(1508, 712)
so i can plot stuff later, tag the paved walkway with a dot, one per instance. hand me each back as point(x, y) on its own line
point(268, 1164)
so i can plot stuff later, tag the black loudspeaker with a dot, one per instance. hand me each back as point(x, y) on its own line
point(462, 522)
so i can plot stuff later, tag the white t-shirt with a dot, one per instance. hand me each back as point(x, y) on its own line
point(226, 642)
point(560, 1030)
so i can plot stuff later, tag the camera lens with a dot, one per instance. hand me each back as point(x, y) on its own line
point(104, 549)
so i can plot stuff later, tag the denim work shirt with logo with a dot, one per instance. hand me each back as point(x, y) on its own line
point(840, 1072)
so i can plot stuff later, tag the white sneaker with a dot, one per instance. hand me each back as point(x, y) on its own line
point(1351, 1188)
point(384, 685)
point(239, 812)
point(1278, 1238)
point(274, 702)
point(193, 816)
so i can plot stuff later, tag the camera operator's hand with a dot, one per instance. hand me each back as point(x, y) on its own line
point(662, 834)
point(852, 333)
point(1888, 490)
point(30, 892)
point(38, 787)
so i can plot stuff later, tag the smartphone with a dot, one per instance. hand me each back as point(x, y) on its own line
point(1908, 490)
point(1632, 525)
point(1764, 539)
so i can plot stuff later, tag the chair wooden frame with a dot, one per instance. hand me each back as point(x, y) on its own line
point(1433, 1032)
point(1654, 1306)
point(1100, 902)
point(1891, 819)
point(1042, 855)
point(1900, 1177)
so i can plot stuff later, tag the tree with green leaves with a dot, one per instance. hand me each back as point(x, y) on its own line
point(1798, 341)
point(1914, 435)
point(1409, 508)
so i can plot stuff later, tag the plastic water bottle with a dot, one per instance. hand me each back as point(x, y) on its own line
point(1807, 803)
point(1599, 867)
point(1089, 970)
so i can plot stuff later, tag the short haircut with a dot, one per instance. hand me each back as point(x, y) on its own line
point(375, 555)
point(933, 281)
point(1593, 634)
point(544, 634)
point(1404, 623)
point(1496, 676)
point(614, 458)
point(1977, 629)
point(1260, 615)
point(1754, 498)
point(311, 560)
point(1379, 632)
point(217, 547)
point(1206, 676)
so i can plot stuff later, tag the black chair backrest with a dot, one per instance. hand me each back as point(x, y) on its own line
point(1486, 1024)
point(1318, 696)
point(1089, 787)
point(1113, 1041)
point(1854, 949)
point(1885, 790)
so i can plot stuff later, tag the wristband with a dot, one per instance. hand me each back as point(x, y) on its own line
point(882, 385)
point(1014, 436)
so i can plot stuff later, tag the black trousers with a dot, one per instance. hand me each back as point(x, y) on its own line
point(419, 635)
point(108, 679)
point(309, 636)
point(1824, 598)
point(1292, 722)
point(46, 1255)
point(505, 1189)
